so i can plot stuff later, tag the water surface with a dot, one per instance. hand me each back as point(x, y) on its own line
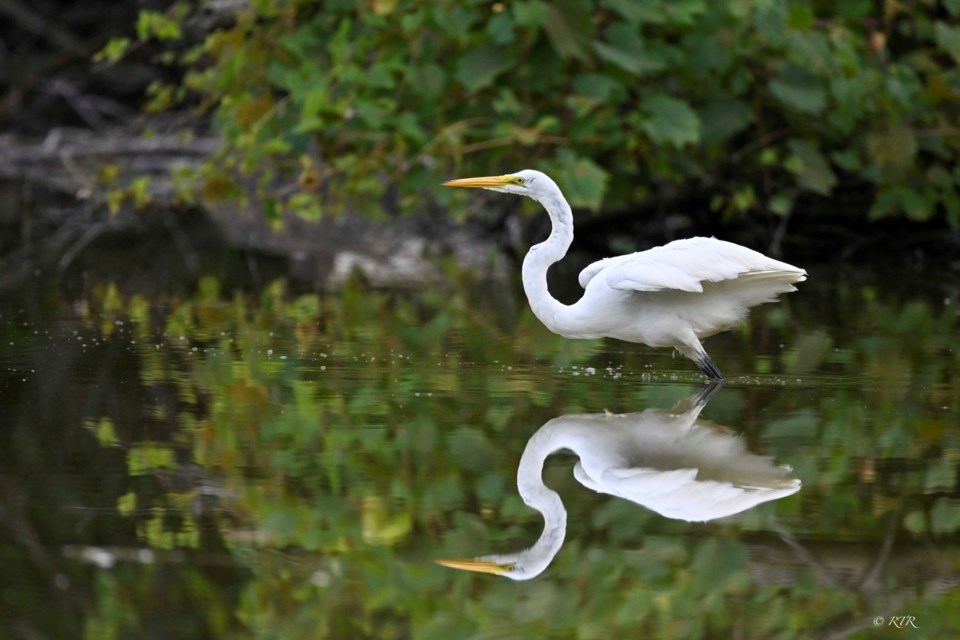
point(279, 464)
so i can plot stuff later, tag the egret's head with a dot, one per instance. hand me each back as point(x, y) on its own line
point(528, 182)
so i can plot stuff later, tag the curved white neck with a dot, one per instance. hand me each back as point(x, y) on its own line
point(548, 310)
point(542, 498)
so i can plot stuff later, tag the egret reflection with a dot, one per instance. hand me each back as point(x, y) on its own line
point(667, 460)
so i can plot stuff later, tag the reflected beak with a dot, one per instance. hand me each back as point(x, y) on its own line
point(487, 182)
point(480, 566)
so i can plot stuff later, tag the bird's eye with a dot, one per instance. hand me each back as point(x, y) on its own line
point(518, 180)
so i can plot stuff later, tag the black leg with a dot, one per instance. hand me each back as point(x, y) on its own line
point(706, 391)
point(709, 368)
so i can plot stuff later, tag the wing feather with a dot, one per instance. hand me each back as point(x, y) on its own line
point(684, 265)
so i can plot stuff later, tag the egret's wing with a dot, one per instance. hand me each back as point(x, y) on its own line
point(638, 276)
point(584, 478)
point(683, 265)
point(678, 494)
point(642, 482)
point(637, 484)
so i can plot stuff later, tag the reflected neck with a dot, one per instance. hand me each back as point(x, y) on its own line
point(542, 498)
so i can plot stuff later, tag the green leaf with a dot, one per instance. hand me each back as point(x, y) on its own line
point(456, 21)
point(622, 59)
point(151, 24)
point(480, 67)
point(904, 85)
point(595, 85)
point(105, 432)
point(945, 516)
point(744, 198)
point(940, 476)
point(800, 89)
point(406, 124)
point(127, 504)
point(568, 29)
point(378, 76)
point(801, 17)
point(430, 80)
point(627, 50)
point(683, 12)
point(581, 179)
point(894, 150)
point(115, 49)
point(854, 9)
point(506, 103)
point(948, 39)
point(501, 28)
point(780, 204)
point(847, 159)
point(770, 20)
point(951, 204)
point(884, 205)
point(146, 457)
point(919, 206)
point(635, 12)
point(670, 121)
point(471, 446)
point(814, 172)
point(530, 15)
point(938, 175)
point(373, 114)
point(899, 199)
point(718, 565)
point(724, 118)
point(915, 522)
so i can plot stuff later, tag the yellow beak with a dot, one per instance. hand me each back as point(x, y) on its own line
point(486, 182)
point(480, 566)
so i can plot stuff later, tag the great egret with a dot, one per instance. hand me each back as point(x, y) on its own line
point(669, 461)
point(669, 296)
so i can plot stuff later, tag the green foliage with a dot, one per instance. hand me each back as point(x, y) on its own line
point(114, 50)
point(754, 103)
point(152, 24)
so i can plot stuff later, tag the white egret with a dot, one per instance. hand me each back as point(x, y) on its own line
point(669, 296)
point(669, 461)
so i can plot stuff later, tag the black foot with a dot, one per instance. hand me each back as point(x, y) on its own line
point(709, 368)
point(706, 391)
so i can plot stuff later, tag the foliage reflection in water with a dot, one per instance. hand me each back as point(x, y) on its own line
point(667, 460)
point(231, 464)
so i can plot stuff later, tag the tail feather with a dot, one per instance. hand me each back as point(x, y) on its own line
point(781, 276)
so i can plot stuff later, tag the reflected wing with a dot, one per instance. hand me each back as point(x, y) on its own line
point(683, 265)
point(678, 494)
point(635, 484)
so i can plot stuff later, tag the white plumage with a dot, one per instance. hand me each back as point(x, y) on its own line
point(669, 296)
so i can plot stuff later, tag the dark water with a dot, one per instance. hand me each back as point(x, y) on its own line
point(268, 464)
